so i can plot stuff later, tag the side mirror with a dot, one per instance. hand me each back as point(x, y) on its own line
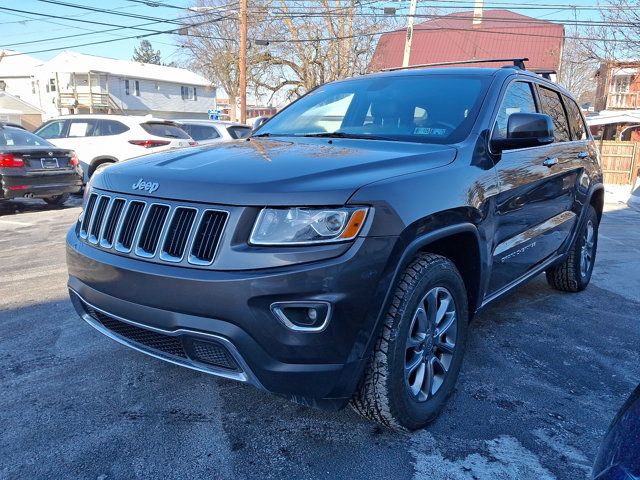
point(525, 130)
point(259, 122)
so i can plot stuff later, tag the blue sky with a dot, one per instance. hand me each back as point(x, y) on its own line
point(20, 27)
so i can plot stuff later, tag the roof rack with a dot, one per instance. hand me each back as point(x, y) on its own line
point(517, 63)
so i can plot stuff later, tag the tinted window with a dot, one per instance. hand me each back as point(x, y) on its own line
point(110, 127)
point(51, 130)
point(166, 130)
point(82, 128)
point(385, 107)
point(201, 132)
point(239, 132)
point(552, 106)
point(18, 137)
point(518, 99)
point(576, 123)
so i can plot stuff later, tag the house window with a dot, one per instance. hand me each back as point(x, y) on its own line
point(136, 91)
point(51, 86)
point(126, 87)
point(622, 84)
point(188, 93)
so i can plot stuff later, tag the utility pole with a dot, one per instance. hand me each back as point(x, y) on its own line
point(243, 61)
point(409, 39)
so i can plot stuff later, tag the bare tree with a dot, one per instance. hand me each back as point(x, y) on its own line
point(577, 70)
point(293, 46)
point(211, 41)
point(618, 38)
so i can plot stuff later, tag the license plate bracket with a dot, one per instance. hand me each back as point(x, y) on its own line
point(49, 163)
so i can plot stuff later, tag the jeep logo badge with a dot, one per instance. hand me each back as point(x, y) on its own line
point(148, 186)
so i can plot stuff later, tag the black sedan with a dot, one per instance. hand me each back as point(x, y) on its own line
point(619, 454)
point(31, 167)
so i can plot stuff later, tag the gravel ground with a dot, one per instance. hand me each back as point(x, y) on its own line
point(543, 376)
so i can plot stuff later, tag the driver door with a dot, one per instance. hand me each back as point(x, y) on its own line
point(536, 191)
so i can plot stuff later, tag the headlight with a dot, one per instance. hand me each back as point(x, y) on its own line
point(300, 225)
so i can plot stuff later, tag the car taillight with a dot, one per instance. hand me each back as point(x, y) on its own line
point(7, 160)
point(150, 143)
point(74, 161)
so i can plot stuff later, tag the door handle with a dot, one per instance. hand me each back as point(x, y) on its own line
point(550, 162)
point(583, 154)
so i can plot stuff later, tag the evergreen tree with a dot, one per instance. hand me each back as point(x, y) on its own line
point(145, 53)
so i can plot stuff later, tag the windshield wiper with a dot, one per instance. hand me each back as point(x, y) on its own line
point(266, 134)
point(346, 135)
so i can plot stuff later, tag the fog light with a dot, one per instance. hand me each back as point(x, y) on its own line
point(303, 316)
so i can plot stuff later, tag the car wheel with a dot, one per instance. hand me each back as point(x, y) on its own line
point(99, 167)
point(57, 199)
point(417, 357)
point(574, 274)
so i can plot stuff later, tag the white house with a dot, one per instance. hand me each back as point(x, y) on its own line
point(77, 83)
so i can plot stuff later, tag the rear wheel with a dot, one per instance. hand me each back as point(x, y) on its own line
point(97, 167)
point(574, 274)
point(417, 357)
point(57, 199)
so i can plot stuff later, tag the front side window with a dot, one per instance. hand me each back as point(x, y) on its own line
point(428, 108)
point(54, 129)
point(552, 106)
point(576, 122)
point(518, 99)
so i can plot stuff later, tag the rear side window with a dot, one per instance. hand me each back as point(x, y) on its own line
point(17, 137)
point(518, 99)
point(166, 130)
point(110, 127)
point(201, 132)
point(552, 106)
point(82, 128)
point(576, 123)
point(54, 129)
point(239, 132)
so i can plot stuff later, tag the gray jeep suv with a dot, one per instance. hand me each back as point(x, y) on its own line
point(338, 254)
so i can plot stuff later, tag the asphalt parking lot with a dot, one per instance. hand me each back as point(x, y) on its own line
point(543, 376)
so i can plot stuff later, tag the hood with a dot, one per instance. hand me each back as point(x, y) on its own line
point(302, 172)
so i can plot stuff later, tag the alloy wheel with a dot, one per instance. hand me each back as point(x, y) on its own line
point(430, 344)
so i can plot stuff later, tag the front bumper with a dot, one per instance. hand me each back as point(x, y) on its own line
point(41, 185)
point(231, 311)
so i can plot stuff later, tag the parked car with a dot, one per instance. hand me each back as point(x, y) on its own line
point(619, 454)
point(34, 168)
point(338, 255)
point(100, 140)
point(206, 132)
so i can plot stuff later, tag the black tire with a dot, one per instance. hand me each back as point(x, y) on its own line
point(57, 200)
point(571, 275)
point(99, 166)
point(384, 394)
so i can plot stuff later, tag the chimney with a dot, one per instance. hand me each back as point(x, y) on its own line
point(477, 12)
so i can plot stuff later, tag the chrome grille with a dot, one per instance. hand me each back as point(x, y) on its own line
point(164, 232)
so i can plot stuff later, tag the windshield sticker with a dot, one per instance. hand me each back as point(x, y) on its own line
point(438, 132)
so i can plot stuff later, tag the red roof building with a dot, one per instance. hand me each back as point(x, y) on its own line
point(456, 37)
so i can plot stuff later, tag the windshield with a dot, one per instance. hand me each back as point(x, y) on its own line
point(426, 108)
point(16, 137)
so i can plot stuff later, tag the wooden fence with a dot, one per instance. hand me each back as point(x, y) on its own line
point(620, 162)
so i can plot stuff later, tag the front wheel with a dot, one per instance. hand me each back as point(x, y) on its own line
point(57, 200)
point(417, 357)
point(574, 274)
